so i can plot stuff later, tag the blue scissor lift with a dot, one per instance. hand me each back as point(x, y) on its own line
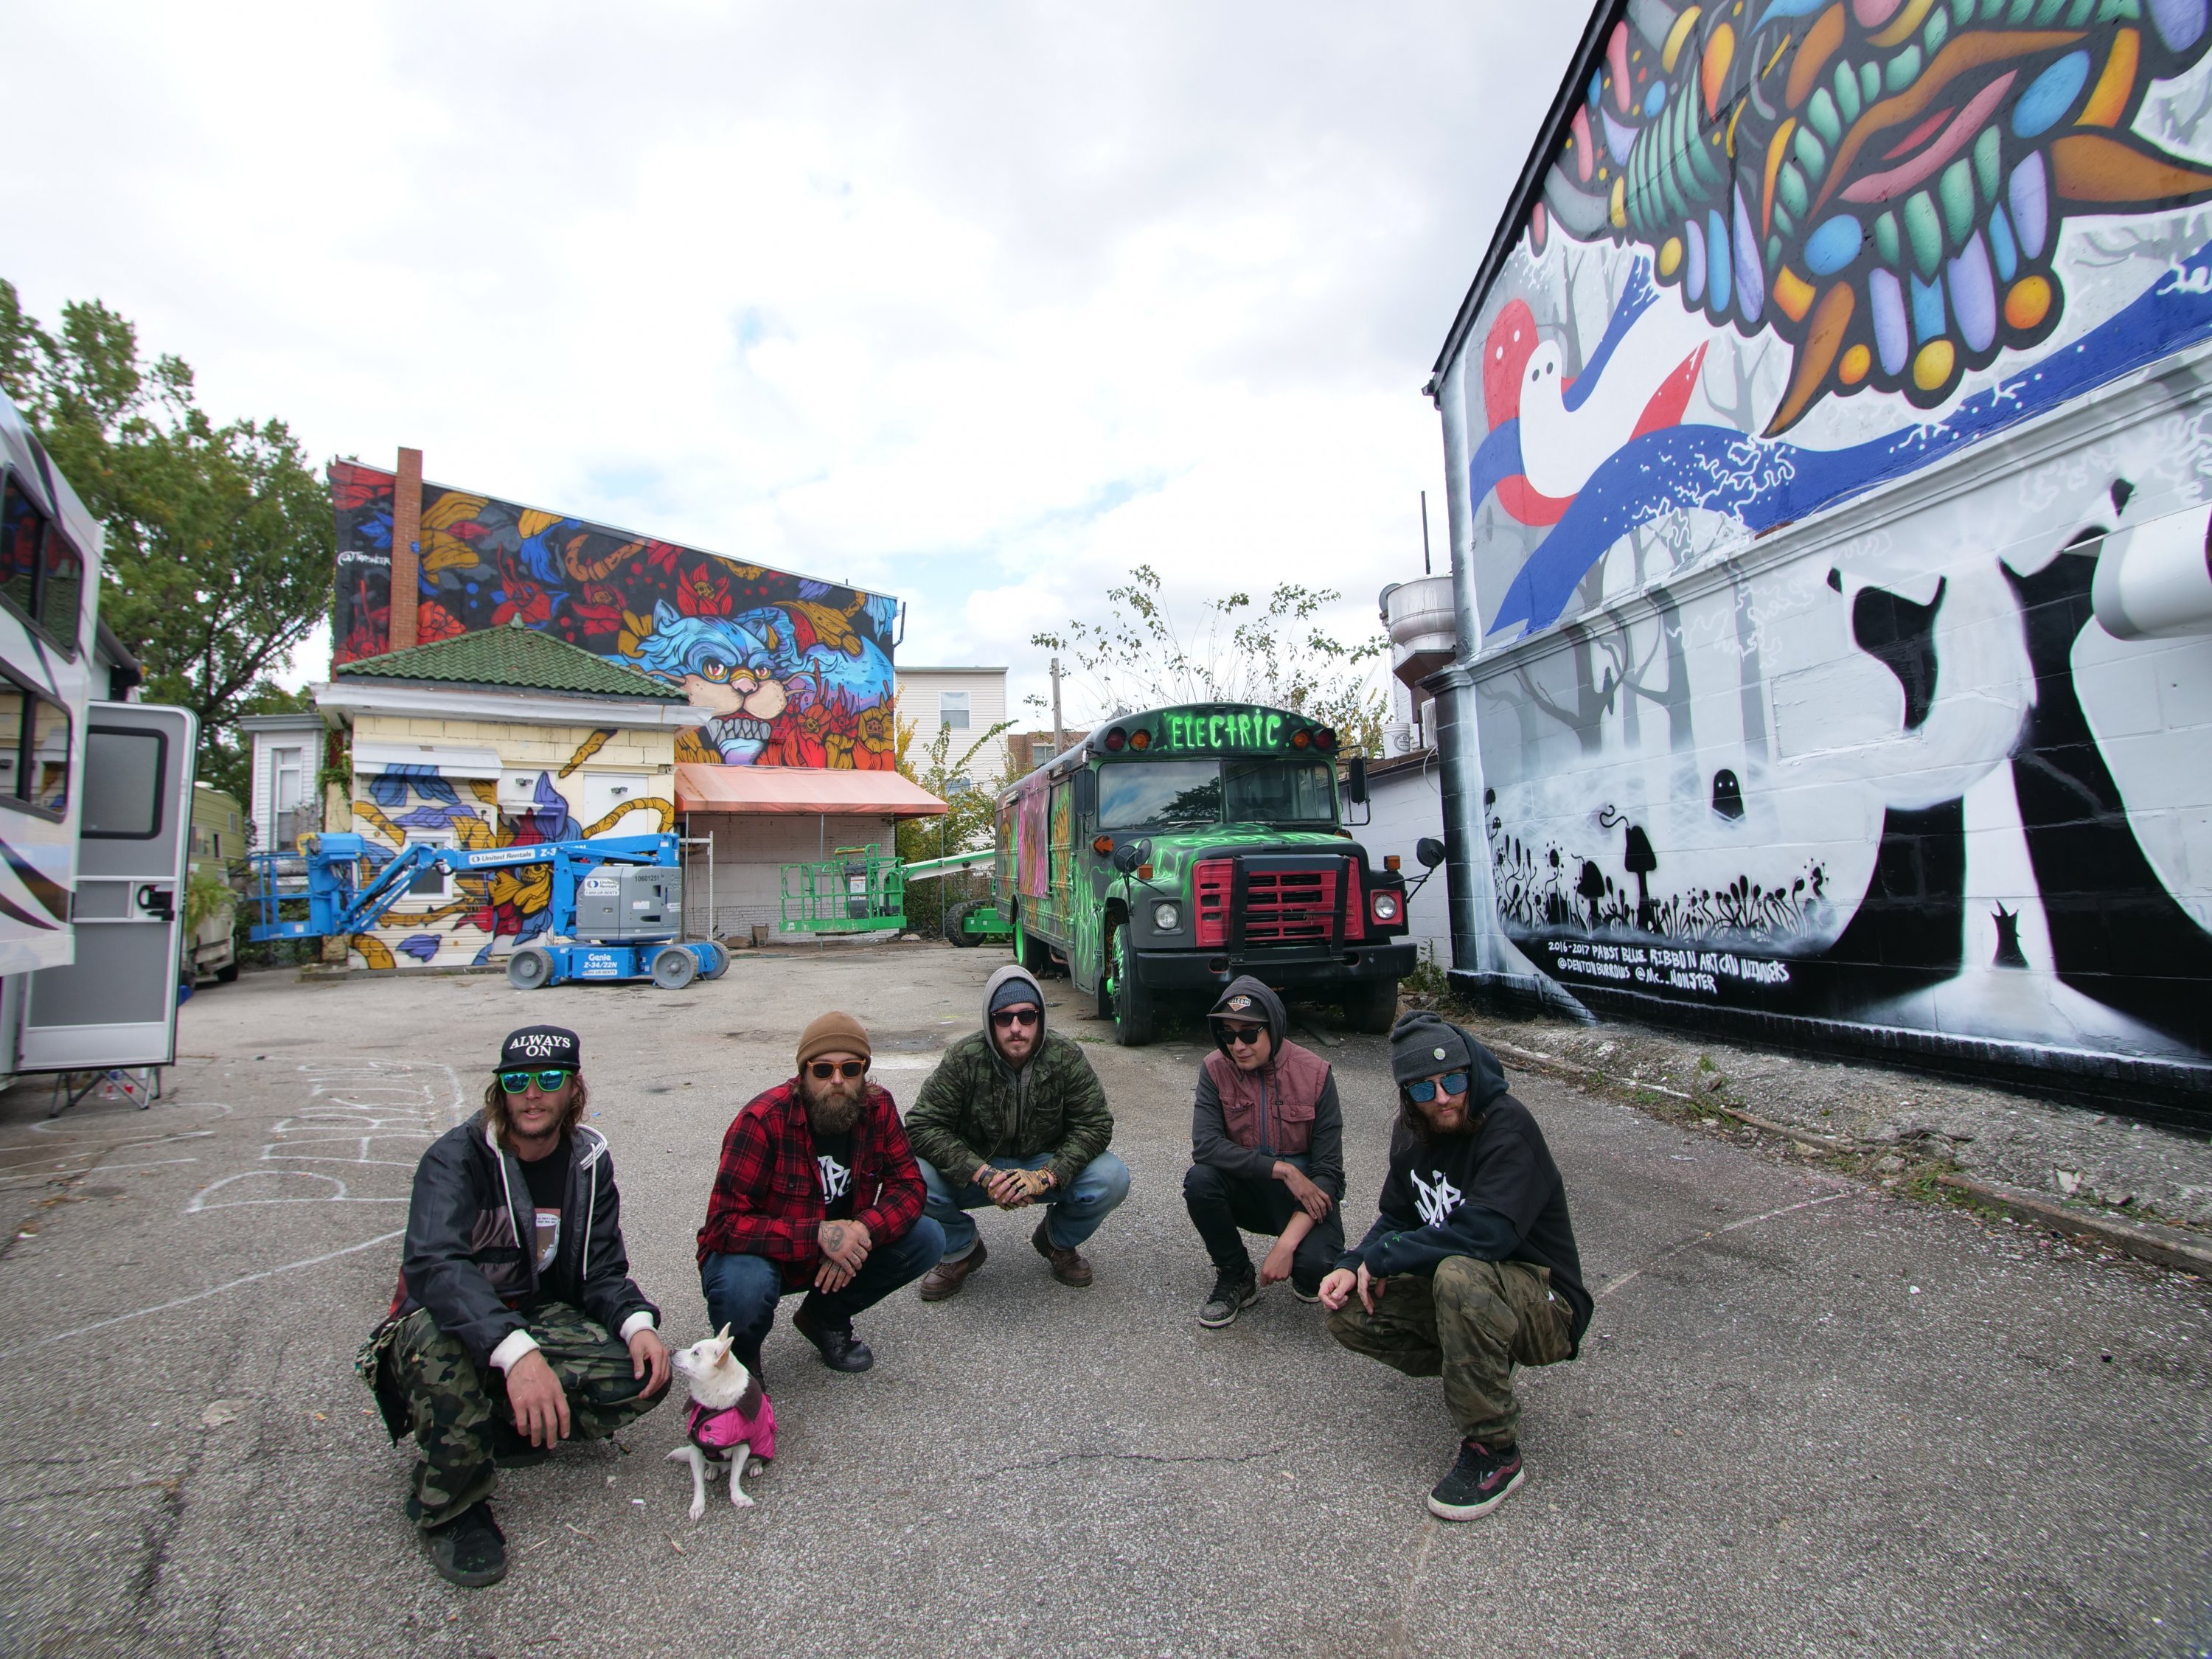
point(616, 907)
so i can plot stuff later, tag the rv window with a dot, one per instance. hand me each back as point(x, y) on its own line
point(41, 573)
point(122, 784)
point(34, 749)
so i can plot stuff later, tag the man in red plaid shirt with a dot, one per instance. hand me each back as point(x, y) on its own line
point(817, 1191)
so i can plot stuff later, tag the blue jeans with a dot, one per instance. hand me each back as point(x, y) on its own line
point(1071, 1217)
point(742, 1291)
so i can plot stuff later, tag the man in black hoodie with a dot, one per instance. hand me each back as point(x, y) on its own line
point(516, 1321)
point(1471, 1267)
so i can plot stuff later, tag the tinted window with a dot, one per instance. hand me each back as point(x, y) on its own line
point(122, 784)
point(23, 531)
point(41, 573)
point(1159, 791)
point(1281, 791)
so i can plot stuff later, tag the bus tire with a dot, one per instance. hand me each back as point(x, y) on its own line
point(956, 927)
point(530, 968)
point(1136, 1015)
point(1373, 1007)
point(227, 975)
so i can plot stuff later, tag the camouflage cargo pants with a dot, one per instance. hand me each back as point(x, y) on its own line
point(453, 1404)
point(1471, 1324)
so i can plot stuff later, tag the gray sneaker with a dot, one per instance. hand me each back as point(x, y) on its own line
point(1233, 1291)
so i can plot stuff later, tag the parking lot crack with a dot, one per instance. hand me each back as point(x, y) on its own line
point(1134, 1457)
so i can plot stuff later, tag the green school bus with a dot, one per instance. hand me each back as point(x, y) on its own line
point(1169, 851)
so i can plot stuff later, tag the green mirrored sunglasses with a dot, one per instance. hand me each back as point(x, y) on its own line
point(548, 1082)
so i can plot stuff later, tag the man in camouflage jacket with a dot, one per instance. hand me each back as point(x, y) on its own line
point(1014, 1116)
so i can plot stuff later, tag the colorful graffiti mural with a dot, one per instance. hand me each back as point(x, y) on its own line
point(788, 671)
point(1792, 694)
point(488, 914)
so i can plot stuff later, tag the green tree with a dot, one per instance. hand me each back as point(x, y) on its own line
point(219, 540)
point(968, 825)
point(1141, 655)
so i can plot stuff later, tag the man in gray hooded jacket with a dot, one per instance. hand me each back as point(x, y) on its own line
point(1014, 1116)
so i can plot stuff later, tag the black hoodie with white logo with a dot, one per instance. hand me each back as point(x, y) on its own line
point(1492, 1192)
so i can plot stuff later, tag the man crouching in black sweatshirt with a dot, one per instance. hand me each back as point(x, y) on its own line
point(1470, 1268)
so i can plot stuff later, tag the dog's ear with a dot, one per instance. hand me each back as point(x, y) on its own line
point(722, 1335)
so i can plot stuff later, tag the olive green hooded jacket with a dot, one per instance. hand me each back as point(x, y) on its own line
point(976, 1107)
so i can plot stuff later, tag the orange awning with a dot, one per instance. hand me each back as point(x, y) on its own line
point(802, 791)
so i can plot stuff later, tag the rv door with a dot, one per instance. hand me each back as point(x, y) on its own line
point(115, 1004)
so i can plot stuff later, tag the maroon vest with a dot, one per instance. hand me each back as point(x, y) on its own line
point(1294, 1078)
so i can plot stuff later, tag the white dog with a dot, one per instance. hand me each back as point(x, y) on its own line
point(730, 1425)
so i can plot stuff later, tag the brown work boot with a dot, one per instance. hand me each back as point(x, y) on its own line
point(947, 1276)
point(1068, 1266)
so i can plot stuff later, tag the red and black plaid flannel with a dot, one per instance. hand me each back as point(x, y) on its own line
point(767, 1200)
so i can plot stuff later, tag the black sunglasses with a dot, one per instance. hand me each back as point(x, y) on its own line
point(1421, 1093)
point(823, 1070)
point(1010, 1017)
point(548, 1082)
point(1247, 1034)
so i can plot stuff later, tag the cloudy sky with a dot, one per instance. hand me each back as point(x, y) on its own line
point(974, 304)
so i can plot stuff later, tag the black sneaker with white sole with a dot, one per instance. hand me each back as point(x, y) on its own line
point(471, 1551)
point(1232, 1292)
point(1480, 1481)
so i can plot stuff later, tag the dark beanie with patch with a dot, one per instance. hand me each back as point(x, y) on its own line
point(544, 1047)
point(1423, 1044)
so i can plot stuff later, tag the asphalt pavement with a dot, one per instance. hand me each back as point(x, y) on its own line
point(1811, 1417)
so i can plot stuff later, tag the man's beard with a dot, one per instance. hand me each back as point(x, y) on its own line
point(834, 1106)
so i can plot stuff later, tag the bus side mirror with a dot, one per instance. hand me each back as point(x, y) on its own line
point(1355, 785)
point(1129, 854)
point(1430, 851)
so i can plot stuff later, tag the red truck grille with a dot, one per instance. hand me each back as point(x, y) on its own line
point(1289, 907)
point(1211, 882)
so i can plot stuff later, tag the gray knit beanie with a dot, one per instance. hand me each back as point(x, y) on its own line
point(1423, 1044)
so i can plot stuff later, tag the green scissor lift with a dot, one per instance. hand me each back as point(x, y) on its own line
point(974, 922)
point(857, 890)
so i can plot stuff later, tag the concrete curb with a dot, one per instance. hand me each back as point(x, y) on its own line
point(2160, 1246)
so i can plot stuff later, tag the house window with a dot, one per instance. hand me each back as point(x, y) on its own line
point(952, 709)
point(432, 882)
point(288, 786)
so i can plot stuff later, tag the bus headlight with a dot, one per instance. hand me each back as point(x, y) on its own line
point(1386, 907)
point(1166, 918)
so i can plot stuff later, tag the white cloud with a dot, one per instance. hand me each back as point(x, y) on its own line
point(978, 305)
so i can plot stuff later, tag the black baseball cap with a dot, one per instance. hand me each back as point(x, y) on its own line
point(542, 1048)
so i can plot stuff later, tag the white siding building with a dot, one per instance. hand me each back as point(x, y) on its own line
point(287, 756)
point(969, 701)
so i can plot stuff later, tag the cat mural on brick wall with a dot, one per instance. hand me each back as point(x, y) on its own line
point(1766, 721)
point(789, 671)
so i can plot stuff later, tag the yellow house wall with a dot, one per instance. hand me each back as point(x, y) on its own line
point(481, 918)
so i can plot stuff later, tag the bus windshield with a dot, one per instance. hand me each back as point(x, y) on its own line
point(1133, 794)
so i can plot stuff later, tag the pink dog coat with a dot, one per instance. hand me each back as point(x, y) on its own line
point(750, 1422)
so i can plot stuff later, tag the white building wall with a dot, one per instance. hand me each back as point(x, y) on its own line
point(921, 692)
point(749, 852)
point(1407, 806)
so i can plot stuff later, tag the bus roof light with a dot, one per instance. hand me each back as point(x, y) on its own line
point(1301, 738)
point(1114, 740)
point(1325, 739)
point(1141, 739)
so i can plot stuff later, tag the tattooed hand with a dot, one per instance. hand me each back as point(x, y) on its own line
point(845, 1247)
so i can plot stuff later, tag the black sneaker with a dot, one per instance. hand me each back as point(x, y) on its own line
point(471, 1551)
point(1479, 1482)
point(1232, 1291)
point(1303, 1294)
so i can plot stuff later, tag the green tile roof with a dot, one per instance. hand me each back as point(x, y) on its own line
point(515, 659)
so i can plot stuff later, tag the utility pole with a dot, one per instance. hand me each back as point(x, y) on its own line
point(1059, 736)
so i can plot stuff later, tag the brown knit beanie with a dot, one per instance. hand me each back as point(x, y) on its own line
point(834, 1033)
